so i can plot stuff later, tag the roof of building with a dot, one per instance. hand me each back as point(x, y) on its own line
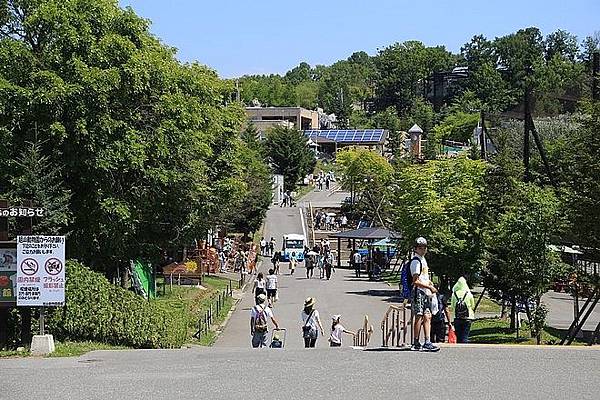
point(369, 136)
point(372, 233)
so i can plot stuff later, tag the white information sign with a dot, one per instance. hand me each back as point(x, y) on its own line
point(40, 270)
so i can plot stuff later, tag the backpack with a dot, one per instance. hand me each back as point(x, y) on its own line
point(406, 279)
point(461, 311)
point(260, 322)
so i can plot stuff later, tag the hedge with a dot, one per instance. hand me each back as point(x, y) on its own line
point(99, 311)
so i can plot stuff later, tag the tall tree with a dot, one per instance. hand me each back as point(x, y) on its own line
point(289, 155)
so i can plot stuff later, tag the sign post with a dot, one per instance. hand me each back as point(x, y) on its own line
point(41, 280)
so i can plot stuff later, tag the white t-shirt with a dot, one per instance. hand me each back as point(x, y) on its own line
point(258, 309)
point(336, 334)
point(263, 243)
point(423, 270)
point(260, 283)
point(312, 322)
point(357, 258)
point(271, 281)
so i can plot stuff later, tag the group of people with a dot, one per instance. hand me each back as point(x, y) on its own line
point(320, 257)
point(287, 199)
point(430, 308)
point(373, 266)
point(330, 222)
point(310, 320)
point(324, 180)
point(267, 248)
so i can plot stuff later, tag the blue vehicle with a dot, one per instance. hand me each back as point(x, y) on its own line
point(293, 243)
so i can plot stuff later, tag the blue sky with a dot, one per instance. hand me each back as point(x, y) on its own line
point(270, 36)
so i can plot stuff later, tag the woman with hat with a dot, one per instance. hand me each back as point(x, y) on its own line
point(311, 323)
point(335, 339)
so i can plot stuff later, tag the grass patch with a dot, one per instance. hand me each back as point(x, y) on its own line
point(74, 349)
point(14, 353)
point(302, 191)
point(497, 331)
point(488, 305)
point(195, 302)
point(393, 278)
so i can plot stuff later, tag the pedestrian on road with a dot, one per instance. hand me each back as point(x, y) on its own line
point(275, 262)
point(293, 261)
point(272, 286)
point(463, 305)
point(259, 328)
point(337, 329)
point(328, 264)
point(284, 200)
point(344, 222)
point(272, 244)
point(310, 266)
point(311, 323)
point(260, 286)
point(357, 260)
point(421, 302)
point(263, 246)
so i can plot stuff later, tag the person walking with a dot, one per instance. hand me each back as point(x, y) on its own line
point(259, 328)
point(260, 286)
point(463, 305)
point(275, 262)
point(328, 264)
point(337, 329)
point(311, 323)
point(310, 265)
point(344, 222)
point(293, 261)
point(271, 286)
point(263, 246)
point(421, 303)
point(272, 244)
point(357, 260)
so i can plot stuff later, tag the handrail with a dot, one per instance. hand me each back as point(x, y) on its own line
point(363, 335)
point(395, 326)
point(312, 223)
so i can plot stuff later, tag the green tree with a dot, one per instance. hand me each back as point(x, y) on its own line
point(287, 151)
point(440, 200)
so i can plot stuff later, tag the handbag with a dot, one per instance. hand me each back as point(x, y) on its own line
point(307, 328)
point(451, 335)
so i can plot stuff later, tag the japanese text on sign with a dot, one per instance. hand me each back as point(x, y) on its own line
point(40, 270)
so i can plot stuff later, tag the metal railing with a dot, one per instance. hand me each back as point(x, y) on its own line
point(363, 335)
point(215, 308)
point(396, 326)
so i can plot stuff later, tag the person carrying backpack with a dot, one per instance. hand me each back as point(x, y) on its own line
point(462, 306)
point(259, 328)
point(422, 291)
point(440, 320)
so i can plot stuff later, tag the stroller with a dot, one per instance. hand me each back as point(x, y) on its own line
point(278, 339)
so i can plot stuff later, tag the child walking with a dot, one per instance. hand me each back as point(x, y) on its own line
point(337, 329)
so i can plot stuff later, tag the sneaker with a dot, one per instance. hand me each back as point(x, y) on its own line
point(428, 346)
point(416, 347)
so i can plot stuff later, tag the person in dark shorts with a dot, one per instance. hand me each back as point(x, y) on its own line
point(271, 286)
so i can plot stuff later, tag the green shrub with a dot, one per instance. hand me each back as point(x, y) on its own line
point(98, 311)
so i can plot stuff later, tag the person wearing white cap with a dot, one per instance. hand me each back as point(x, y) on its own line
point(335, 339)
point(421, 302)
point(311, 323)
point(258, 322)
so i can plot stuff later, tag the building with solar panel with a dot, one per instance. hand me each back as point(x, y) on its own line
point(329, 141)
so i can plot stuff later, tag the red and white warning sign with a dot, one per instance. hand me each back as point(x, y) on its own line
point(41, 270)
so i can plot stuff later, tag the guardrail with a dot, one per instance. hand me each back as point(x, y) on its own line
point(363, 335)
point(214, 310)
point(396, 326)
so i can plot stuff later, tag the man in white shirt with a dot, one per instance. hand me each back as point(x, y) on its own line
point(271, 287)
point(421, 302)
point(259, 315)
point(357, 261)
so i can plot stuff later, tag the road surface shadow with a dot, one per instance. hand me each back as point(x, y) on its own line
point(391, 294)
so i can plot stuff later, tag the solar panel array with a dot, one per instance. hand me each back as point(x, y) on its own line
point(348, 135)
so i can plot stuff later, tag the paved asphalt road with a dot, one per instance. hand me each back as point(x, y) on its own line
point(343, 294)
point(517, 372)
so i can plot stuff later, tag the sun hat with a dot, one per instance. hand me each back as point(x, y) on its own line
point(309, 302)
point(336, 317)
point(421, 241)
point(261, 298)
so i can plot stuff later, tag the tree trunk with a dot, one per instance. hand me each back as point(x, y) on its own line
point(125, 284)
point(513, 313)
